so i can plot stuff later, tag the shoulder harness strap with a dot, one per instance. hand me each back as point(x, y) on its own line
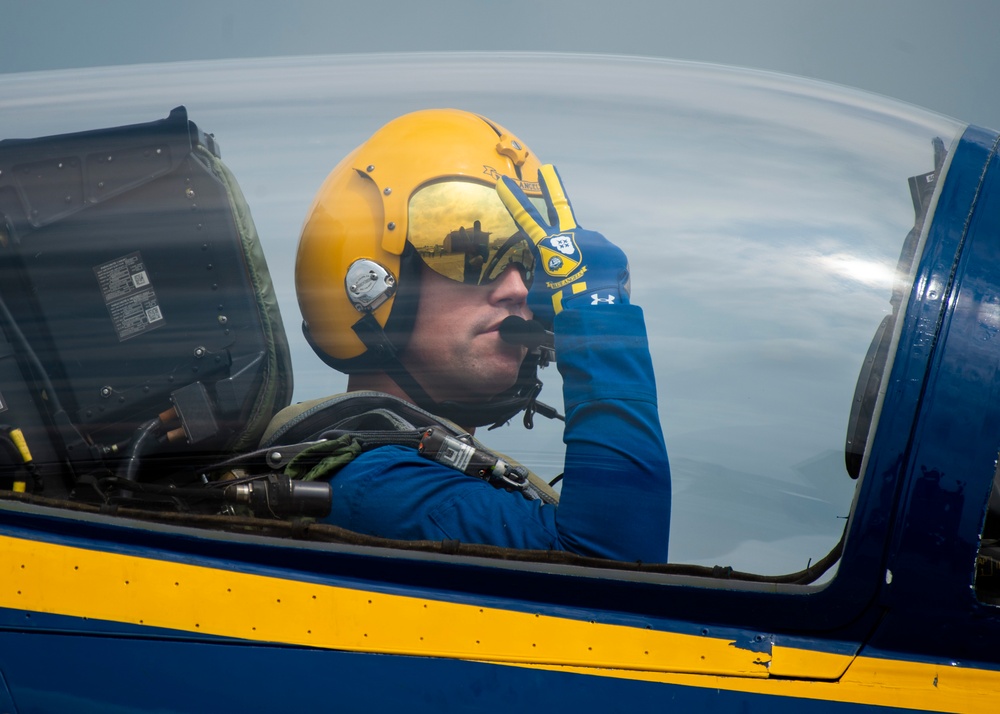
point(314, 439)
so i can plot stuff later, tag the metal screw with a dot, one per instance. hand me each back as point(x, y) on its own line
point(223, 319)
point(392, 225)
point(371, 167)
point(199, 352)
point(106, 392)
point(387, 191)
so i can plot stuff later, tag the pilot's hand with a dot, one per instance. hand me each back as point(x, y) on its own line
point(574, 267)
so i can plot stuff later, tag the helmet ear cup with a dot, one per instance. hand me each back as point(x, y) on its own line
point(398, 326)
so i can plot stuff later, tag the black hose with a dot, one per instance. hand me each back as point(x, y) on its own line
point(146, 434)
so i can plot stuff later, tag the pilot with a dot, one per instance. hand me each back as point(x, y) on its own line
point(419, 244)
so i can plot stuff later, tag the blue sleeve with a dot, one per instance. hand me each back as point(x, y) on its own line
point(615, 500)
point(394, 492)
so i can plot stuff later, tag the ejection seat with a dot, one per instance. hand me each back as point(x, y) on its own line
point(139, 327)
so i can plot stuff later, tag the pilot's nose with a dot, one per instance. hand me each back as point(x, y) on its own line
point(509, 287)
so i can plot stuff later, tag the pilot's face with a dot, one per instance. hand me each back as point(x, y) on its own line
point(455, 350)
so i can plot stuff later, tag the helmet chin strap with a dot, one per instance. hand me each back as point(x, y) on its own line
point(495, 411)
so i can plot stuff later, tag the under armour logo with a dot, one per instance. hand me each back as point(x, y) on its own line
point(596, 299)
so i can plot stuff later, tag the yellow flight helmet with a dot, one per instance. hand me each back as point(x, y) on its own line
point(422, 188)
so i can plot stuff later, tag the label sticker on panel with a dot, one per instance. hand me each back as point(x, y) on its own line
point(129, 295)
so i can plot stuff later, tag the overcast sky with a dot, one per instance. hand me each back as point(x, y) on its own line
point(940, 54)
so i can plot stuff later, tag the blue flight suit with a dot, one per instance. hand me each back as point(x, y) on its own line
point(615, 500)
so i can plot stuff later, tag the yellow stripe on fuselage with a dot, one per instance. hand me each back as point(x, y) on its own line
point(44, 577)
point(77, 582)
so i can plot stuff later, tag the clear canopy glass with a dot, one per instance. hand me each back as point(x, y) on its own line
point(763, 217)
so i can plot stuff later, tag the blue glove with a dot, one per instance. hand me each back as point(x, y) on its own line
point(574, 267)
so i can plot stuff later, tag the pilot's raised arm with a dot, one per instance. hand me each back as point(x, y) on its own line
point(388, 296)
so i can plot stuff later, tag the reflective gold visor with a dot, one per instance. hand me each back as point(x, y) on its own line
point(463, 231)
